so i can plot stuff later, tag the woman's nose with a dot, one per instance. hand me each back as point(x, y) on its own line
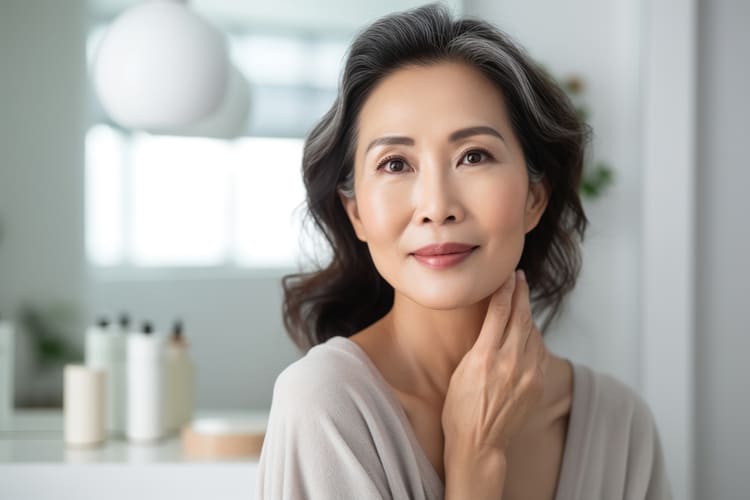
point(437, 197)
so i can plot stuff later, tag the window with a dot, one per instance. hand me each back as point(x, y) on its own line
point(167, 201)
point(177, 201)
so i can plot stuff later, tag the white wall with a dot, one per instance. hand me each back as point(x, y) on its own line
point(42, 107)
point(723, 247)
point(667, 292)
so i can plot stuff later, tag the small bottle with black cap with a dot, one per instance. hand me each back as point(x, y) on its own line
point(123, 321)
point(118, 417)
point(145, 385)
point(101, 352)
point(96, 351)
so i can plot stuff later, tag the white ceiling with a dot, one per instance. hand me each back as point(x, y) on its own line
point(314, 15)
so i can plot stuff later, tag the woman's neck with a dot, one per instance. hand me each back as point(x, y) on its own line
point(430, 343)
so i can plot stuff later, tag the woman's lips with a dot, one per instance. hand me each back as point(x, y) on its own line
point(444, 261)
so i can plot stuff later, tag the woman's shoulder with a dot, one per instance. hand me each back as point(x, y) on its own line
point(609, 398)
point(331, 433)
point(615, 434)
point(614, 416)
point(330, 375)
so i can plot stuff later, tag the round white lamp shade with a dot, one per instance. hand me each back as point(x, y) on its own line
point(230, 119)
point(160, 66)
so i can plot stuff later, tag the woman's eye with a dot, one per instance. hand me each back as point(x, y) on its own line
point(393, 165)
point(475, 156)
point(396, 165)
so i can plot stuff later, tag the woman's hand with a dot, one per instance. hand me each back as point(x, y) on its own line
point(499, 381)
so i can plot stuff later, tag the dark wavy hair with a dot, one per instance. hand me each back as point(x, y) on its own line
point(348, 294)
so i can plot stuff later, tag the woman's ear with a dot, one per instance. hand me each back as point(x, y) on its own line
point(536, 202)
point(350, 206)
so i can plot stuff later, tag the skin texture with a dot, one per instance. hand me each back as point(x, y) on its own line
point(472, 190)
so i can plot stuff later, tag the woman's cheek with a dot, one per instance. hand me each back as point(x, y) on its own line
point(501, 218)
point(498, 204)
point(383, 213)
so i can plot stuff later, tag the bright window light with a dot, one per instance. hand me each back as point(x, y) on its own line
point(269, 195)
point(104, 196)
point(258, 57)
point(179, 201)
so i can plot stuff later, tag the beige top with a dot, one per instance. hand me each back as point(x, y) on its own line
point(337, 431)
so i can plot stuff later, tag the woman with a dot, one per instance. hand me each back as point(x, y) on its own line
point(445, 179)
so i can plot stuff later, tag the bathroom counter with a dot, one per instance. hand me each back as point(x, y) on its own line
point(35, 463)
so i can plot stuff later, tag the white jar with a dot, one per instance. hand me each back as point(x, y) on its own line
point(84, 405)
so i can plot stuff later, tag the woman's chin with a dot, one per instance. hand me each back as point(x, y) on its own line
point(444, 300)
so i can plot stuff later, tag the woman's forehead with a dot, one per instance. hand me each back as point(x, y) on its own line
point(434, 101)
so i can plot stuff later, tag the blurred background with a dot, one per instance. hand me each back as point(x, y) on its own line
point(97, 220)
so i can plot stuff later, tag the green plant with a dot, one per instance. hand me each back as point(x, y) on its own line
point(597, 175)
point(49, 328)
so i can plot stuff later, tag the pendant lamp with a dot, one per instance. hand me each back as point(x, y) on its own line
point(160, 66)
point(230, 119)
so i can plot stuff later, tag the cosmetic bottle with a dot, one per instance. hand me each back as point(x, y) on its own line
point(7, 353)
point(96, 352)
point(180, 376)
point(145, 386)
point(119, 383)
point(105, 349)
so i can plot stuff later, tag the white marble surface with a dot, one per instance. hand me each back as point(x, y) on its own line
point(36, 436)
point(36, 464)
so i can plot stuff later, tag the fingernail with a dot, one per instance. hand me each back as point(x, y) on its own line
point(521, 275)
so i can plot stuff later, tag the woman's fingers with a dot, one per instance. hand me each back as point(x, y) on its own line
point(496, 320)
point(497, 384)
point(520, 325)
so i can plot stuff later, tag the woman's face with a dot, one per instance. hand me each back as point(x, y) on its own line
point(437, 161)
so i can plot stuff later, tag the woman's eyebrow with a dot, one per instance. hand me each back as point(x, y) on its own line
point(470, 131)
point(455, 136)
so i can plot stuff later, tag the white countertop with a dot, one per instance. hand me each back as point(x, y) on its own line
point(36, 464)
